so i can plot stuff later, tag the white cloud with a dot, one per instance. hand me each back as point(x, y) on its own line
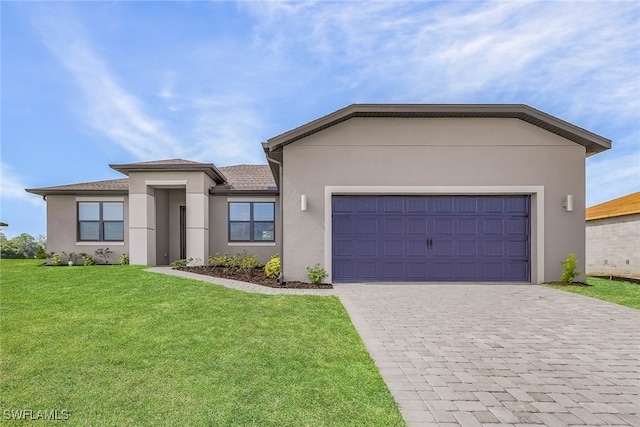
point(110, 108)
point(12, 187)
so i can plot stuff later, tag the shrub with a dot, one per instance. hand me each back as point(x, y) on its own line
point(316, 274)
point(40, 253)
point(75, 258)
point(104, 254)
point(55, 259)
point(124, 259)
point(180, 262)
point(219, 260)
point(88, 259)
point(272, 269)
point(570, 272)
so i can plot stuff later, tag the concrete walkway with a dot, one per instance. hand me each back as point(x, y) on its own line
point(493, 355)
point(485, 355)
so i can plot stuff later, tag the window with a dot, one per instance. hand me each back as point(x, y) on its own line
point(101, 221)
point(251, 222)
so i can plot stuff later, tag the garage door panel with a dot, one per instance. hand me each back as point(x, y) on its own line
point(466, 271)
point(467, 248)
point(343, 248)
point(393, 247)
point(416, 248)
point(518, 226)
point(366, 204)
point(366, 226)
point(393, 270)
point(467, 226)
point(364, 248)
point(494, 226)
point(416, 226)
point(494, 248)
point(343, 226)
point(392, 226)
point(431, 238)
point(416, 271)
point(365, 270)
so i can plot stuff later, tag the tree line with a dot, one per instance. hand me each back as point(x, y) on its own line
point(23, 246)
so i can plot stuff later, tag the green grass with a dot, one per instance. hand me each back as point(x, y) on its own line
point(623, 293)
point(114, 345)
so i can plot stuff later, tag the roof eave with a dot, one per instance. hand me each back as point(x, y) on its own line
point(50, 192)
point(592, 142)
point(209, 168)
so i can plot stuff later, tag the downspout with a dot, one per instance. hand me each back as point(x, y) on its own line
point(280, 279)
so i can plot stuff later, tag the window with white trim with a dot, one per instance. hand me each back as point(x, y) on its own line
point(252, 221)
point(100, 221)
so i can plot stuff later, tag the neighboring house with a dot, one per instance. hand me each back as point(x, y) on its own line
point(488, 193)
point(613, 237)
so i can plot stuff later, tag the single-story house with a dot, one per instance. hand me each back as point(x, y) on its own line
point(613, 237)
point(383, 193)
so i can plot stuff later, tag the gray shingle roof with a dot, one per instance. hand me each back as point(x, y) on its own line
point(111, 185)
point(239, 178)
point(248, 177)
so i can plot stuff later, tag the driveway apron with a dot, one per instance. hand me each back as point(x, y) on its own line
point(480, 355)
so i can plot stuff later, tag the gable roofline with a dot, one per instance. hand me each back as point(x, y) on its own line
point(172, 165)
point(592, 142)
point(625, 205)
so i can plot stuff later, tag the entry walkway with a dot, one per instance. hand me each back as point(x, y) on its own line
point(480, 355)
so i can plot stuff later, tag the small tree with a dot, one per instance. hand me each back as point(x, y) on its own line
point(570, 272)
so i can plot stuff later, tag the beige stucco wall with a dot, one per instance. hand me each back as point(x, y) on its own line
point(613, 246)
point(407, 153)
point(62, 226)
point(144, 230)
point(219, 229)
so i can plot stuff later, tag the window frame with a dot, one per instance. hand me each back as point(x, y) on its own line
point(251, 222)
point(100, 221)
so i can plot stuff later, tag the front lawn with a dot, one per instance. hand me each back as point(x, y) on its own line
point(623, 293)
point(114, 345)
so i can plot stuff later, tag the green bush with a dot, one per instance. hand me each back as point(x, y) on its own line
point(272, 268)
point(570, 272)
point(181, 262)
point(316, 274)
point(55, 259)
point(88, 259)
point(219, 260)
point(124, 259)
point(40, 253)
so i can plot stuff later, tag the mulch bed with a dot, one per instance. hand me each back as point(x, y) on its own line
point(568, 284)
point(255, 276)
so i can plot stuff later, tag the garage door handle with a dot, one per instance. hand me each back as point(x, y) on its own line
point(429, 243)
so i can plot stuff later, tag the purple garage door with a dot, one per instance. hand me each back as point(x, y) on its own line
point(431, 238)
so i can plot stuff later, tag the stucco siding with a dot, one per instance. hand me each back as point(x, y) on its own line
point(613, 246)
point(406, 153)
point(62, 226)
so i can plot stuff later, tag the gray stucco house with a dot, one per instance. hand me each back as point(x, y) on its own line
point(488, 193)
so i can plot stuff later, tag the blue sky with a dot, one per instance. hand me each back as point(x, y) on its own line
point(85, 84)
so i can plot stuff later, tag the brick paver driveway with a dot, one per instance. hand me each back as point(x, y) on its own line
point(500, 354)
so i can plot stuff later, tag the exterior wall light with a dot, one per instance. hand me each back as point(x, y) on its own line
point(568, 203)
point(303, 202)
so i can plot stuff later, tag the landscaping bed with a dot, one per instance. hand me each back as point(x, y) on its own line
point(253, 275)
